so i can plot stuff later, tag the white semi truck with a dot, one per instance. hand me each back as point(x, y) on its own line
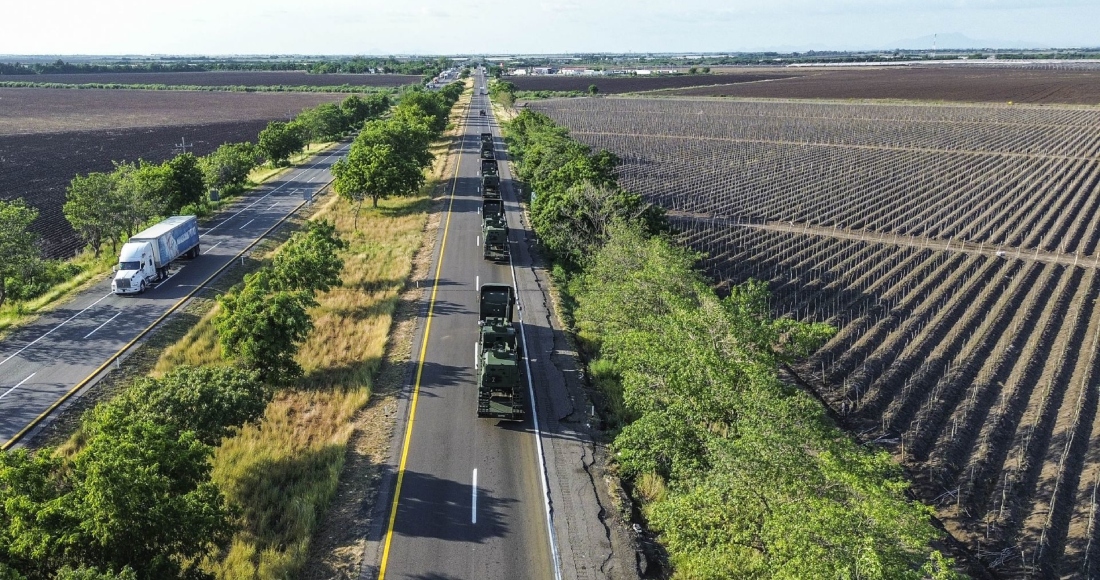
point(145, 258)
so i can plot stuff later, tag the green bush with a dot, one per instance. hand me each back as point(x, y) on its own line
point(41, 276)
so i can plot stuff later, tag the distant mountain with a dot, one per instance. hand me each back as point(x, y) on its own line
point(957, 41)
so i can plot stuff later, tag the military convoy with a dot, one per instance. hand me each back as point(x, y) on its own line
point(498, 361)
point(499, 372)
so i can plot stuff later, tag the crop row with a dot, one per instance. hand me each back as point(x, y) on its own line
point(1000, 194)
point(979, 372)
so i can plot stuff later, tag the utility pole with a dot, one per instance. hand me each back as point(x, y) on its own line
point(183, 145)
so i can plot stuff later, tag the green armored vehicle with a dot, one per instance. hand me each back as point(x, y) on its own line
point(490, 179)
point(499, 373)
point(494, 230)
point(487, 146)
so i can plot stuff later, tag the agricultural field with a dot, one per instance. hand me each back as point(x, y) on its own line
point(954, 248)
point(222, 78)
point(1078, 85)
point(617, 85)
point(47, 136)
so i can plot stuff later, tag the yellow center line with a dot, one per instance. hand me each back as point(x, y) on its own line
point(420, 362)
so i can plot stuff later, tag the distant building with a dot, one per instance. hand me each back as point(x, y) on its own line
point(519, 72)
point(543, 70)
point(643, 71)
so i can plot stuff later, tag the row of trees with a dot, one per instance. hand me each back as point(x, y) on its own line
point(428, 67)
point(740, 474)
point(389, 156)
point(108, 207)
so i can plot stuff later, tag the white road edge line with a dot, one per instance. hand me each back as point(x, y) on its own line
point(54, 328)
point(477, 283)
point(6, 393)
point(476, 353)
point(246, 224)
point(473, 504)
point(477, 241)
point(543, 478)
point(212, 247)
point(104, 324)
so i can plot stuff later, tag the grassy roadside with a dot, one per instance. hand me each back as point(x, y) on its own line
point(285, 472)
point(14, 315)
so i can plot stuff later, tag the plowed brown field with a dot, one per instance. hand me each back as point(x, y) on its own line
point(957, 250)
point(963, 84)
point(47, 136)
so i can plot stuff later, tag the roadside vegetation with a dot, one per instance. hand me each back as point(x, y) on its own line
point(221, 465)
point(740, 474)
point(427, 67)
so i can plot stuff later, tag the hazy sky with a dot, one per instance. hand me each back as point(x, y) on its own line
point(518, 26)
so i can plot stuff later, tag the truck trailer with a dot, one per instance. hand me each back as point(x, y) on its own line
point(144, 259)
point(500, 374)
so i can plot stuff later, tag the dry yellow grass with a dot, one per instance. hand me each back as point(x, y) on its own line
point(283, 472)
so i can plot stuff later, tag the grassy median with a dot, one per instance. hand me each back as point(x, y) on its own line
point(283, 472)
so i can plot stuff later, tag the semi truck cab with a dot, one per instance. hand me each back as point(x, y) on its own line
point(136, 268)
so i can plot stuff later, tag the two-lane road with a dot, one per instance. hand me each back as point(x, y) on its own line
point(471, 502)
point(41, 363)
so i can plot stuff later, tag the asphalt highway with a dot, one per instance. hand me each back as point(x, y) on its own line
point(42, 362)
point(471, 502)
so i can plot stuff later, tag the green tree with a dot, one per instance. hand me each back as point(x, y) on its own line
point(357, 110)
point(758, 482)
point(503, 92)
point(279, 140)
point(212, 402)
point(323, 123)
point(374, 169)
point(706, 70)
point(576, 222)
point(693, 71)
point(90, 208)
point(310, 260)
point(141, 192)
point(263, 326)
point(228, 167)
point(431, 104)
point(408, 132)
point(593, 89)
point(137, 498)
point(32, 521)
point(185, 182)
point(18, 244)
point(143, 497)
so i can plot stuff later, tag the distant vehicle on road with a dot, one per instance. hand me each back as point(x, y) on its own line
point(145, 258)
